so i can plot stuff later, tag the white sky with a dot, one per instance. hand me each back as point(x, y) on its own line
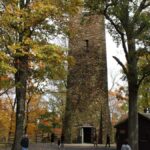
point(113, 68)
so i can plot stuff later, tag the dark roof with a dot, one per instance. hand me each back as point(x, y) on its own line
point(145, 115)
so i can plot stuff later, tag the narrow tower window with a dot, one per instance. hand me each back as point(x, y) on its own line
point(87, 45)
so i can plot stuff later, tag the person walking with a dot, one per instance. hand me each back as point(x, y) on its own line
point(25, 142)
point(62, 140)
point(107, 140)
point(125, 146)
point(59, 143)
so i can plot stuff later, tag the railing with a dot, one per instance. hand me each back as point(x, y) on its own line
point(5, 146)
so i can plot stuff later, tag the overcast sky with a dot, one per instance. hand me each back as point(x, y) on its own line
point(113, 68)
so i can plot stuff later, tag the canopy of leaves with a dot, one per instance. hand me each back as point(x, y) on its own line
point(27, 29)
point(144, 91)
point(127, 19)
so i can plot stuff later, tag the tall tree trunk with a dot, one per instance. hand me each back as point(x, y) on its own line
point(20, 79)
point(133, 95)
point(68, 121)
point(21, 76)
point(27, 114)
point(21, 64)
point(133, 121)
point(11, 120)
point(26, 120)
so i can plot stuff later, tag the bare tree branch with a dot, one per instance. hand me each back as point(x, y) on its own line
point(122, 65)
point(5, 91)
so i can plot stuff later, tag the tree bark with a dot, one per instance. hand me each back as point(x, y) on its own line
point(20, 80)
point(68, 121)
point(11, 120)
point(21, 76)
point(133, 120)
point(133, 94)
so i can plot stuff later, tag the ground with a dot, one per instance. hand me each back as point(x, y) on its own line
point(48, 146)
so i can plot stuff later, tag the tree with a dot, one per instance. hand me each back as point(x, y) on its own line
point(129, 24)
point(27, 27)
point(57, 98)
point(5, 119)
point(144, 94)
point(6, 81)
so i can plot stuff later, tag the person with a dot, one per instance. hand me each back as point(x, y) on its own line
point(107, 140)
point(59, 143)
point(25, 142)
point(95, 140)
point(52, 138)
point(62, 140)
point(125, 146)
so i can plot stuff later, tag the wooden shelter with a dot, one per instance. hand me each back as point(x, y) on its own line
point(144, 131)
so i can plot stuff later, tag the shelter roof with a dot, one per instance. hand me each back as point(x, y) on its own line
point(122, 121)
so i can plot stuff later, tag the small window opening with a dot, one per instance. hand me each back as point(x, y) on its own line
point(87, 45)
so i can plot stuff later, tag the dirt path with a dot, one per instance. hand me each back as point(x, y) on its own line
point(48, 146)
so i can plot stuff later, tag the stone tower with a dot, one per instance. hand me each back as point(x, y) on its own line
point(87, 92)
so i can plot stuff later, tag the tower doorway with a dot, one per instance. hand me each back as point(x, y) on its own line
point(87, 134)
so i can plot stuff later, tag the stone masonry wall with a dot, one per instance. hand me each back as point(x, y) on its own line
point(87, 94)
